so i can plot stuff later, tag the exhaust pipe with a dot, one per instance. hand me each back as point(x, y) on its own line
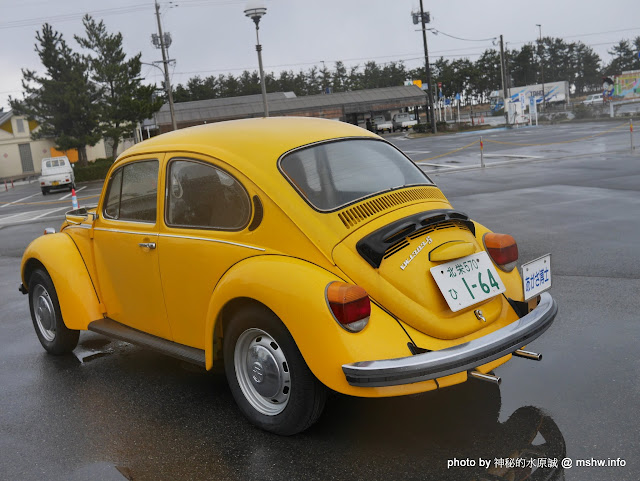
point(486, 377)
point(534, 356)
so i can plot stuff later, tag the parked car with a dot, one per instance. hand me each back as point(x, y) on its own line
point(381, 124)
point(57, 173)
point(593, 99)
point(304, 255)
point(403, 121)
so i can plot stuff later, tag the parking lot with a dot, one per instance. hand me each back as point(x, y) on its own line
point(114, 411)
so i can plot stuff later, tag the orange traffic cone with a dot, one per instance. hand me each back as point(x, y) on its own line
point(74, 199)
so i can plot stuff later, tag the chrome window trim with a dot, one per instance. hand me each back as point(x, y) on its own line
point(108, 189)
point(344, 206)
point(167, 181)
point(219, 241)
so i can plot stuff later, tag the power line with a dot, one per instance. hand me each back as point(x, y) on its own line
point(72, 16)
point(436, 32)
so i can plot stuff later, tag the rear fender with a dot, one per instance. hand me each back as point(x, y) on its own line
point(294, 290)
point(58, 254)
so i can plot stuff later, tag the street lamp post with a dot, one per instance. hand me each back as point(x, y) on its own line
point(541, 62)
point(255, 11)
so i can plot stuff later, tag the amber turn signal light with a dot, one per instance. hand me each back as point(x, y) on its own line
point(349, 304)
point(502, 248)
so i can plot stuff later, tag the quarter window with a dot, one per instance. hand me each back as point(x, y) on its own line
point(133, 192)
point(202, 196)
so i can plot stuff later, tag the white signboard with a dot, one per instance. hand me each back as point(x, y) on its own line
point(536, 276)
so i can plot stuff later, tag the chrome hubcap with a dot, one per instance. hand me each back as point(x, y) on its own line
point(44, 312)
point(262, 372)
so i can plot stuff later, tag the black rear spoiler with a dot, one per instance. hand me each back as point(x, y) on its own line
point(374, 246)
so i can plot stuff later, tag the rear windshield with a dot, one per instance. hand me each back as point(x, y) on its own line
point(55, 163)
point(333, 174)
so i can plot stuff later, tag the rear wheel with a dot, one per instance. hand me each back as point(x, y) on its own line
point(268, 376)
point(44, 191)
point(54, 336)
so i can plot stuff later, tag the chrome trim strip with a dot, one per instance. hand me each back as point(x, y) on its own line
point(77, 226)
point(463, 357)
point(125, 231)
point(212, 240)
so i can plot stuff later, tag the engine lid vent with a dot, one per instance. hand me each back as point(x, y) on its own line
point(354, 215)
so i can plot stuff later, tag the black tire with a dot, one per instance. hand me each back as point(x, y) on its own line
point(295, 398)
point(44, 191)
point(53, 334)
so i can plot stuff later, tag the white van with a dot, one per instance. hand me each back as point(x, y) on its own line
point(593, 99)
point(56, 173)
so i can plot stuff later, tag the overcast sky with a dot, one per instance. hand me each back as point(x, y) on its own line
point(211, 37)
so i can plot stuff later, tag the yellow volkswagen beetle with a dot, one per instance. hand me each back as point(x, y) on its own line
point(304, 254)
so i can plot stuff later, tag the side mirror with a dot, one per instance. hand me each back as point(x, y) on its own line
point(78, 216)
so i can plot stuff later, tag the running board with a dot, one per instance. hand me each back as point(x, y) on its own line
point(110, 328)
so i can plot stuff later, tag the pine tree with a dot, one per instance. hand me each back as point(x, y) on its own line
point(124, 100)
point(63, 100)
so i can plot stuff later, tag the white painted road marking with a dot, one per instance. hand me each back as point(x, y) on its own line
point(69, 194)
point(19, 200)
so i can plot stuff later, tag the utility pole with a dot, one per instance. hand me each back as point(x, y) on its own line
point(504, 85)
point(541, 62)
point(432, 113)
point(165, 62)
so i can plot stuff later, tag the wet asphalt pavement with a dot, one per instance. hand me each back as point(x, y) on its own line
point(116, 412)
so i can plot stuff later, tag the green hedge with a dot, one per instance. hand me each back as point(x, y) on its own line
point(426, 128)
point(94, 171)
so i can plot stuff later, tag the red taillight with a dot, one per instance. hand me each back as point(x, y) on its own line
point(503, 250)
point(41, 183)
point(350, 305)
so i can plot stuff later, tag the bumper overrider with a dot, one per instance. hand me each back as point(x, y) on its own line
point(463, 357)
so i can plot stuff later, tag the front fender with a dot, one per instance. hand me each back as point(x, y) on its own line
point(295, 291)
point(59, 255)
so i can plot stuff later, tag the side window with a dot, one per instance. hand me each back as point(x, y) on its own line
point(202, 196)
point(133, 192)
point(112, 202)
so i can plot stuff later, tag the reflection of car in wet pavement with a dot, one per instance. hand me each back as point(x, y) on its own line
point(314, 256)
point(432, 430)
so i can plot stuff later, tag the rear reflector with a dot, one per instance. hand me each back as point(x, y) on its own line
point(502, 248)
point(349, 304)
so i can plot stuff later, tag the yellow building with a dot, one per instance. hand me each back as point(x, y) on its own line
point(21, 156)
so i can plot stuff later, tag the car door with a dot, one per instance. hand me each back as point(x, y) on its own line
point(125, 248)
point(206, 231)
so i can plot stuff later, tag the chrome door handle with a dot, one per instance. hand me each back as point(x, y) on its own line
point(148, 245)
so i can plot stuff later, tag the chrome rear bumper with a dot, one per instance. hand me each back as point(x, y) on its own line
point(434, 364)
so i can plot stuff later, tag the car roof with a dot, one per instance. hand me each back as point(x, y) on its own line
point(248, 144)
